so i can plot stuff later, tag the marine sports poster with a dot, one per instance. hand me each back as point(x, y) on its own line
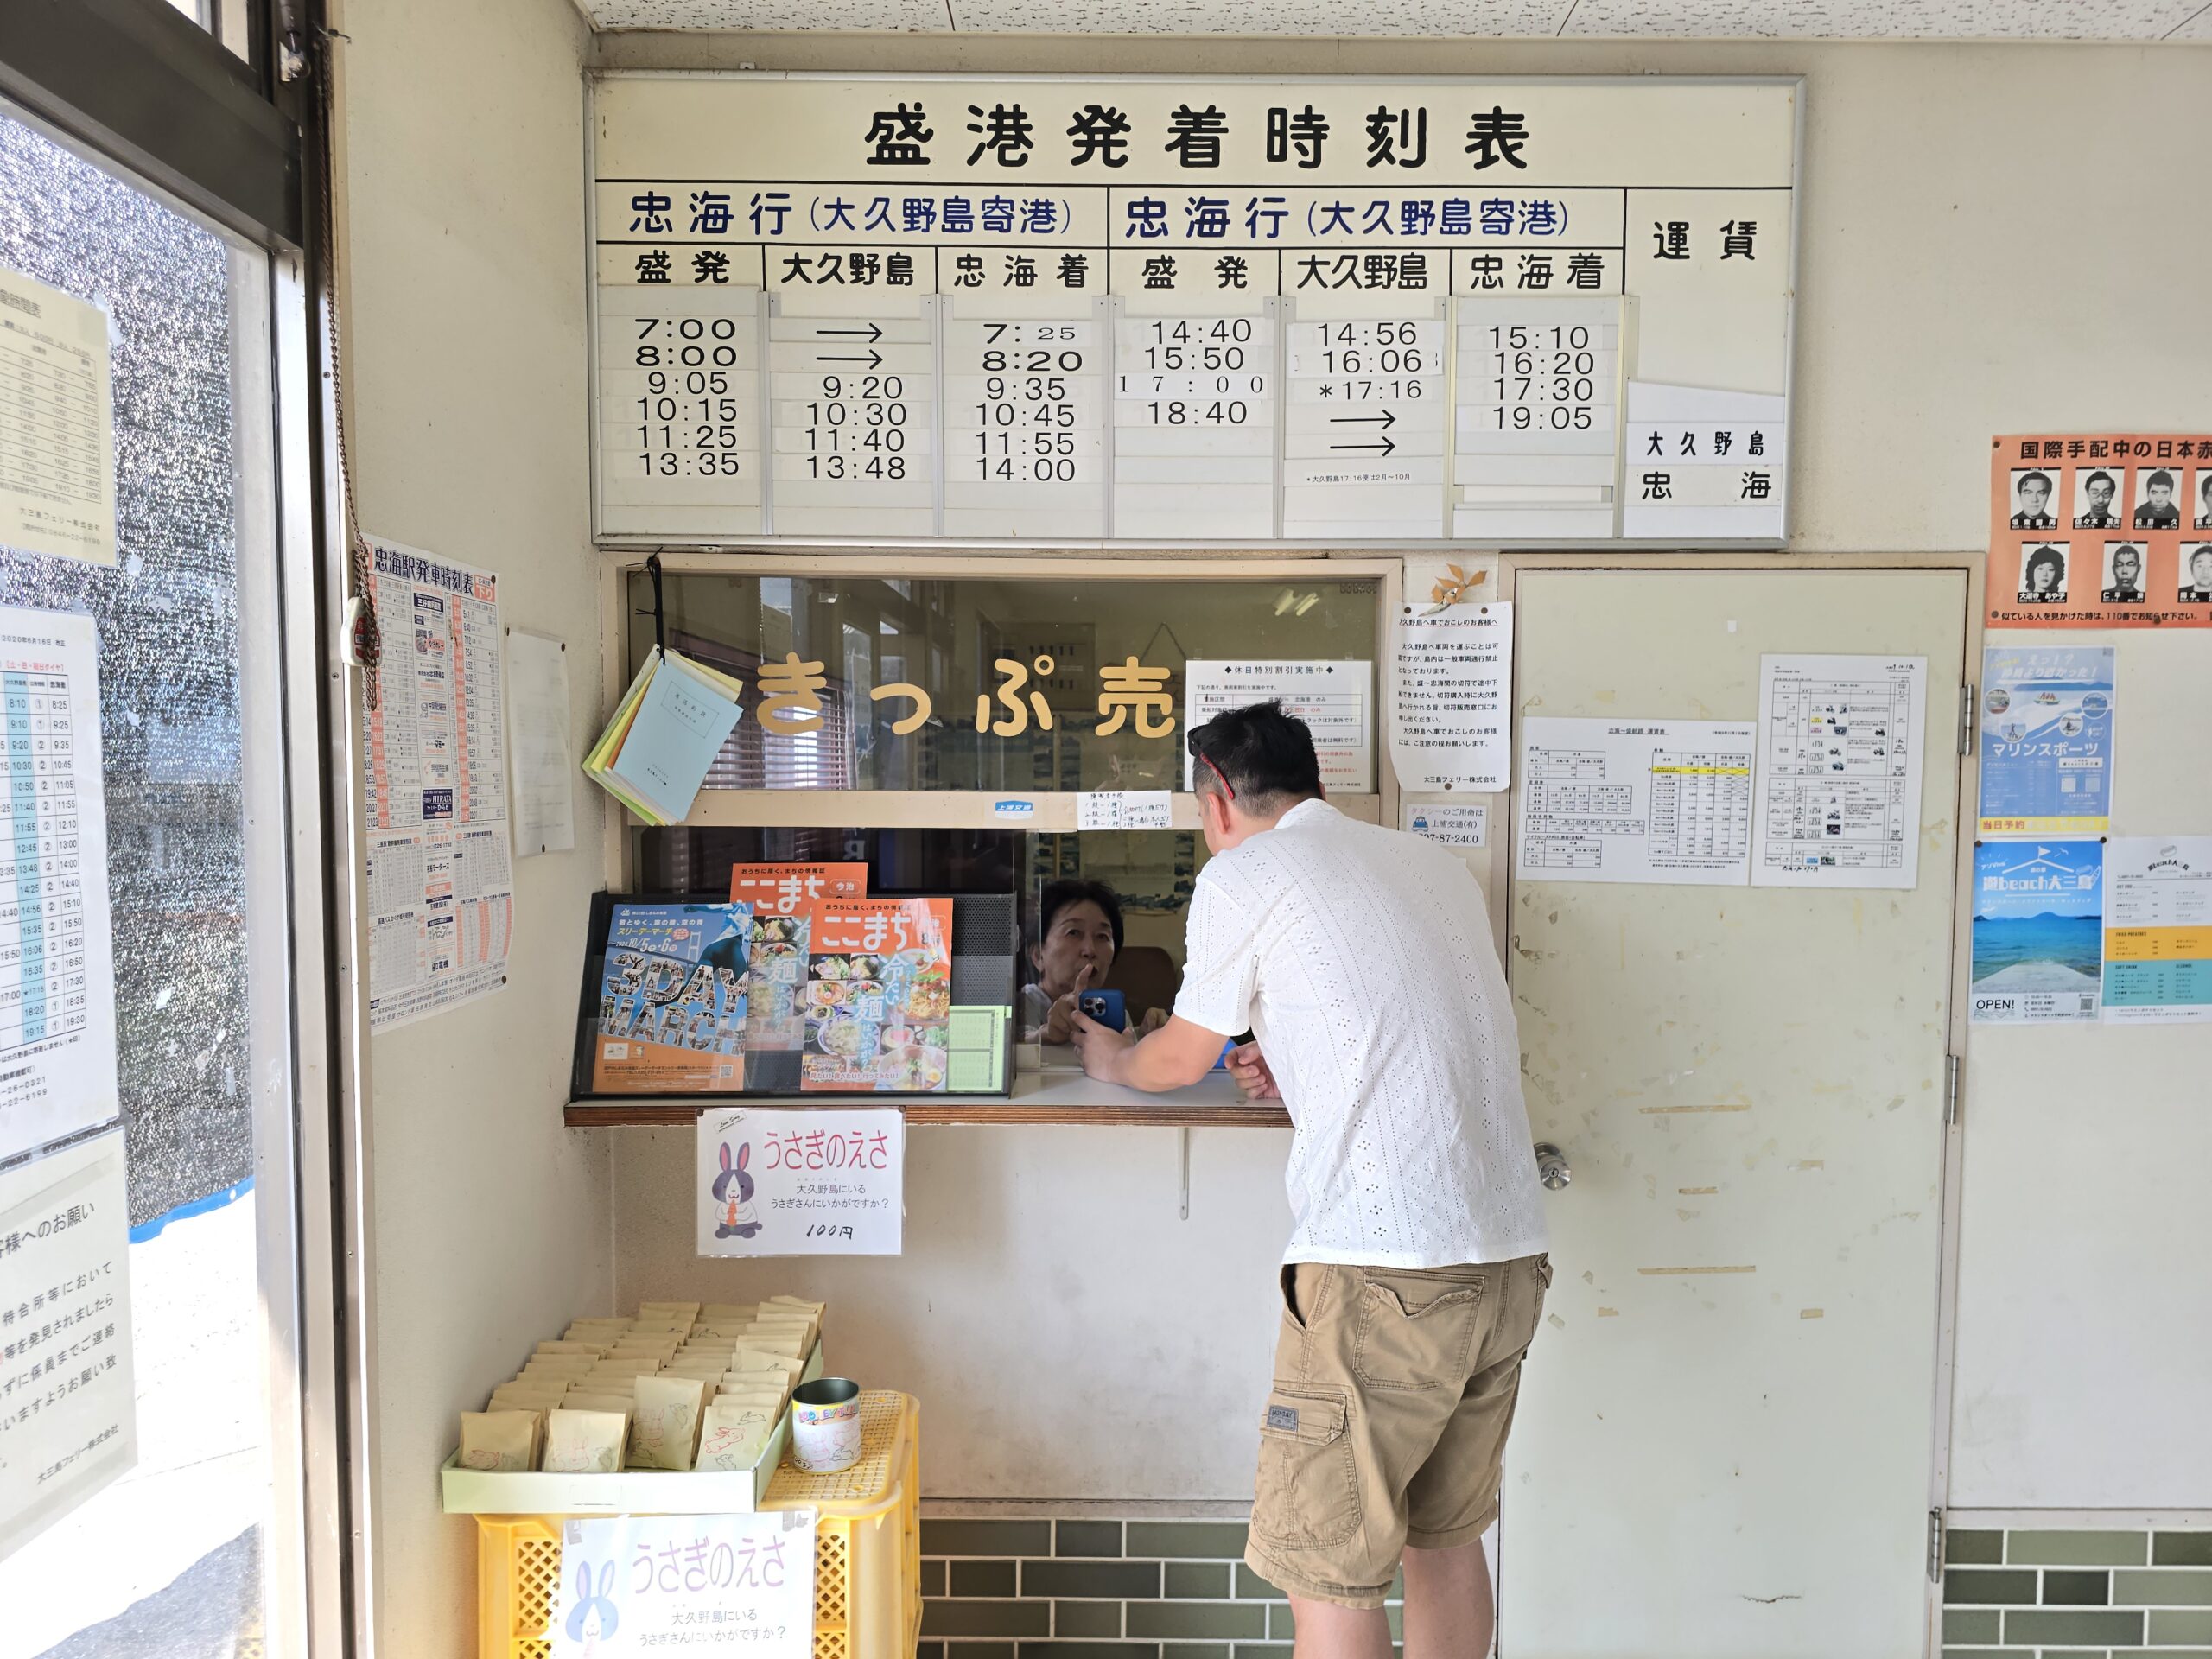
point(2039, 932)
point(2046, 741)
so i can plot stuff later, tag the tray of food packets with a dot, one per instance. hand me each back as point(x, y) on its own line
point(679, 1410)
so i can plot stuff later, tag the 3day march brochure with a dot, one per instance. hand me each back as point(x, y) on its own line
point(672, 999)
point(670, 725)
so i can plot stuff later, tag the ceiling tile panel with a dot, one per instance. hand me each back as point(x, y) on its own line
point(903, 15)
point(1490, 18)
point(2107, 19)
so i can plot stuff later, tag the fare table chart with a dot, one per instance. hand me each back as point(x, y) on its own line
point(1166, 310)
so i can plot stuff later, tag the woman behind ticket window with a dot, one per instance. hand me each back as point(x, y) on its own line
point(1078, 931)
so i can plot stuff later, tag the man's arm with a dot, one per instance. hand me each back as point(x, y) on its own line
point(1174, 1056)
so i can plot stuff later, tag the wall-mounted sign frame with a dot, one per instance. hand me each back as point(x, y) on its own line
point(1192, 312)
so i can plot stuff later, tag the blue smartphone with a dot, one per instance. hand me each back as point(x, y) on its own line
point(1107, 1007)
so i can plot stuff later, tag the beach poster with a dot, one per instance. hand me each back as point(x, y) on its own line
point(2038, 931)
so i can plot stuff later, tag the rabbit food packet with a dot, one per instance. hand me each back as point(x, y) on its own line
point(733, 1436)
point(813, 1310)
point(585, 1442)
point(728, 1313)
point(664, 1428)
point(571, 1345)
point(502, 1441)
point(619, 1400)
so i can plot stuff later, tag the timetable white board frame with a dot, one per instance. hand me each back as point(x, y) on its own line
point(1282, 316)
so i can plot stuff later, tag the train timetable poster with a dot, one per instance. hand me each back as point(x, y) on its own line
point(1190, 310)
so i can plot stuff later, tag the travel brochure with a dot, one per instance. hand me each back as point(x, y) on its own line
point(798, 983)
point(879, 996)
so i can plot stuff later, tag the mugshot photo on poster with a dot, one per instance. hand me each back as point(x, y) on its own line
point(2203, 497)
point(2031, 493)
point(2155, 508)
point(2123, 582)
point(2095, 491)
point(2043, 573)
point(2197, 574)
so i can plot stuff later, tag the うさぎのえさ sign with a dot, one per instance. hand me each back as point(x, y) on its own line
point(801, 1182)
point(1168, 310)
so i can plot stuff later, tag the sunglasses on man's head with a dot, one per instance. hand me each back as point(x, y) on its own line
point(1227, 788)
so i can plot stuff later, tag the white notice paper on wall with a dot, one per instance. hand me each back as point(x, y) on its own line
point(57, 974)
point(696, 1584)
point(802, 1183)
point(544, 767)
point(1123, 809)
point(1450, 665)
point(1666, 801)
point(57, 423)
point(1333, 697)
point(1701, 463)
point(440, 882)
point(1840, 765)
point(71, 1423)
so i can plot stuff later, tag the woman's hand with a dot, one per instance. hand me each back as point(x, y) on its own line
point(1059, 1024)
point(1152, 1020)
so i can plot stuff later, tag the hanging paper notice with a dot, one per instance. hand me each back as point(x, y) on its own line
point(2111, 531)
point(1333, 697)
point(1123, 809)
point(545, 776)
point(2046, 741)
point(1839, 767)
point(57, 978)
point(804, 1183)
point(440, 882)
point(691, 1584)
point(2157, 929)
point(71, 1424)
point(2038, 931)
point(1643, 800)
point(1450, 662)
point(57, 423)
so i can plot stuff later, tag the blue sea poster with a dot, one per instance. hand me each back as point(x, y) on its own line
point(2038, 931)
point(2046, 741)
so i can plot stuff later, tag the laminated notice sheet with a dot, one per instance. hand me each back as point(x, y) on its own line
point(1636, 800)
point(2157, 958)
point(1840, 767)
point(440, 882)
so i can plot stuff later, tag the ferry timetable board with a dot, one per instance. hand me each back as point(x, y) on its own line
point(1238, 311)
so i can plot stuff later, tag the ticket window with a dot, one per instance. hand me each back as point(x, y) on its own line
point(1018, 693)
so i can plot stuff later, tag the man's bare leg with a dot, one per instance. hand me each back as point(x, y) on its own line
point(1328, 1631)
point(1449, 1613)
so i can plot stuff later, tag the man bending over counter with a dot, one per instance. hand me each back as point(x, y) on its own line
point(1360, 958)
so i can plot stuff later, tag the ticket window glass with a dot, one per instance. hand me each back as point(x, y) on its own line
point(1030, 686)
point(1038, 654)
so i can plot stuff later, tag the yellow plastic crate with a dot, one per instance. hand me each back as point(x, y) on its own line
point(867, 1550)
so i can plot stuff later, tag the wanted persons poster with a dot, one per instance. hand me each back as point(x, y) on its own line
point(2106, 531)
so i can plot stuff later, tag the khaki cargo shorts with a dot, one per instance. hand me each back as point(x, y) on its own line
point(1386, 1427)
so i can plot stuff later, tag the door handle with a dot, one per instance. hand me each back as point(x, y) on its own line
point(1551, 1166)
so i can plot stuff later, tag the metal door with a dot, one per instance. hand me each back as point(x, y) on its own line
point(1725, 1429)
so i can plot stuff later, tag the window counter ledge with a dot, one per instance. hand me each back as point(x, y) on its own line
point(1055, 1097)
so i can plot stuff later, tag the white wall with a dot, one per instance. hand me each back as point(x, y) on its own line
point(463, 131)
point(1971, 264)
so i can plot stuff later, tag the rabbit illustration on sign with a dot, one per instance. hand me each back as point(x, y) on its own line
point(732, 1190)
point(593, 1619)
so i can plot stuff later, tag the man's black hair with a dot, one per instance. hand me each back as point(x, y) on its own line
point(2157, 479)
point(2107, 477)
point(2050, 556)
point(1058, 895)
point(1264, 755)
point(2042, 478)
